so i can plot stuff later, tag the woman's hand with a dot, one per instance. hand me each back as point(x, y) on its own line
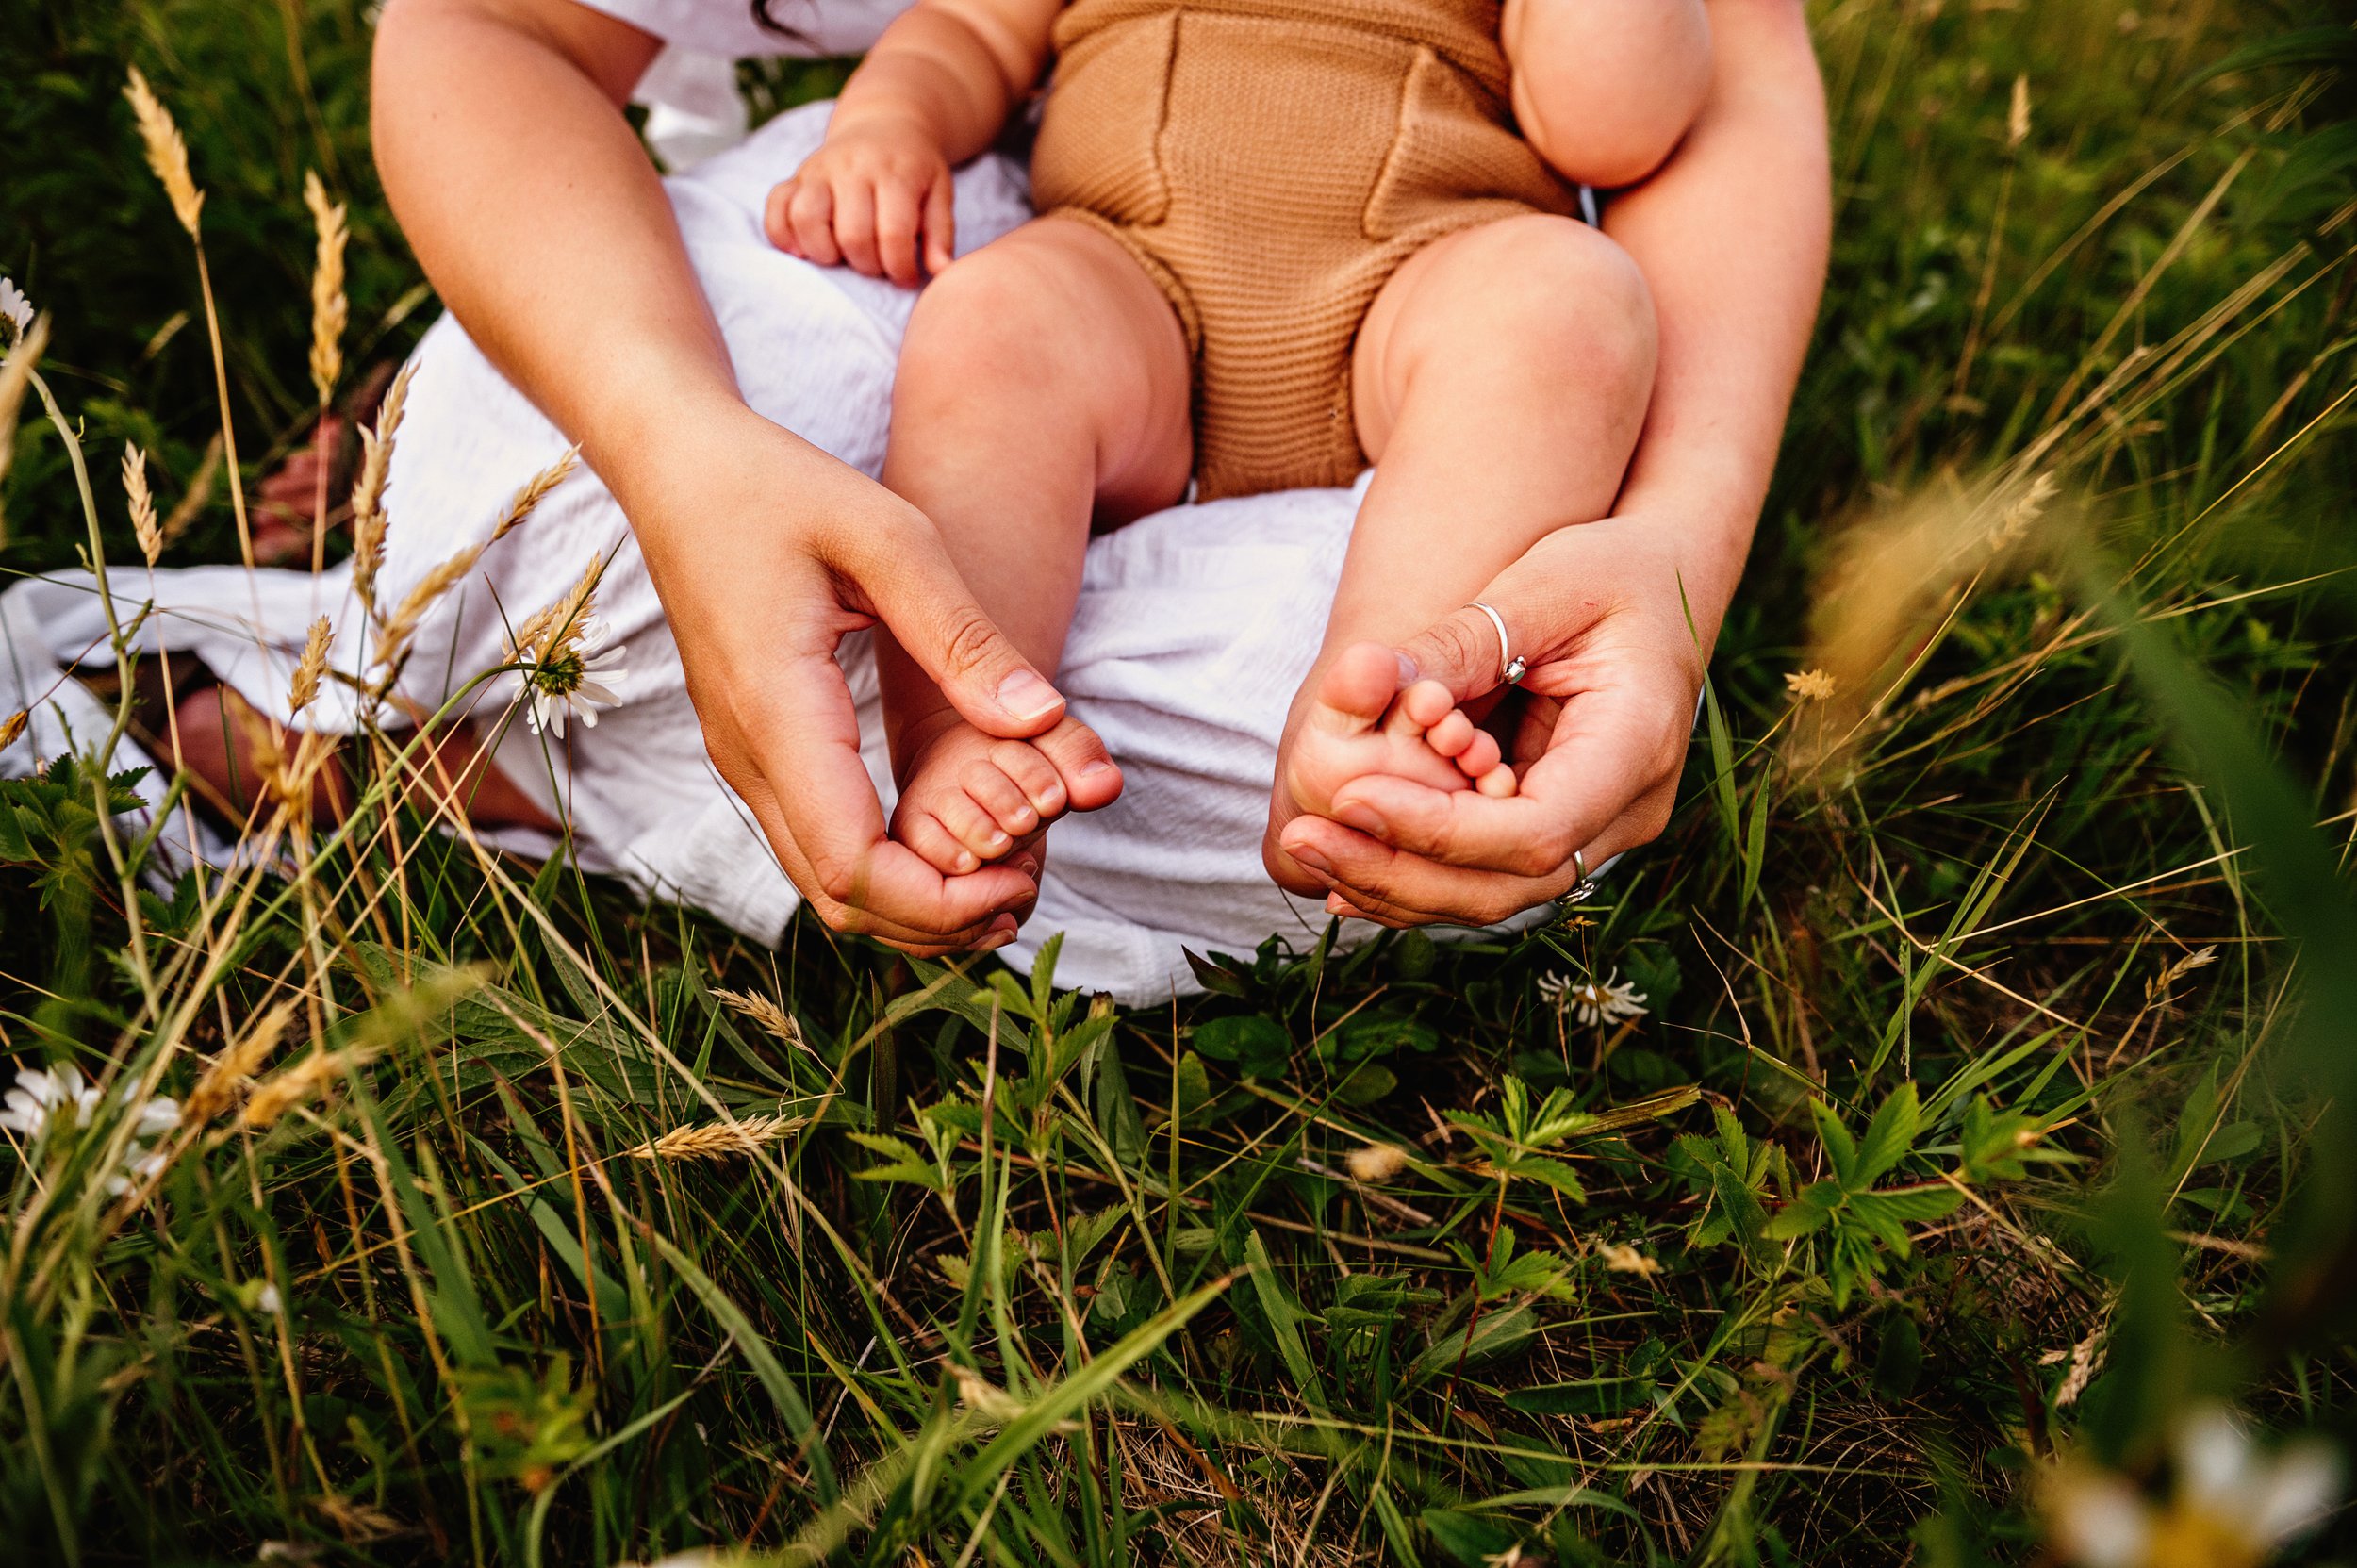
point(1598, 737)
point(766, 552)
point(876, 196)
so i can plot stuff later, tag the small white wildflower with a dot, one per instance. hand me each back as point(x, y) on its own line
point(1608, 1003)
point(570, 674)
point(15, 309)
point(58, 1099)
point(43, 1097)
point(2232, 1503)
point(267, 1300)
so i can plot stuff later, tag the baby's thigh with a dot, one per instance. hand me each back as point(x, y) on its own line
point(1516, 309)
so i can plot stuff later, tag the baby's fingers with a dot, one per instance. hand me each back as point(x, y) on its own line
point(940, 223)
point(855, 225)
point(777, 220)
point(897, 221)
point(810, 213)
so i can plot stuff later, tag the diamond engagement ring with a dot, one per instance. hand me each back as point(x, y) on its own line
point(1510, 664)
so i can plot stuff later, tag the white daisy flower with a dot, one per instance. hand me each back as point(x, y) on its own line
point(58, 1099)
point(15, 309)
point(568, 673)
point(2232, 1505)
point(43, 1097)
point(1606, 1003)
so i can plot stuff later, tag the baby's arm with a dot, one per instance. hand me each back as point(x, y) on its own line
point(1605, 89)
point(933, 92)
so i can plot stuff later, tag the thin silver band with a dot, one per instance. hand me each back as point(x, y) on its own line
point(1509, 668)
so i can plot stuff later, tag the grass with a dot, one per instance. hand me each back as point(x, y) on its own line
point(1987, 1121)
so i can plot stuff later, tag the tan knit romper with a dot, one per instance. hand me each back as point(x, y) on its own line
point(1270, 163)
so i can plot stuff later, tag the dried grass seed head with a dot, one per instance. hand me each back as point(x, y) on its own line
point(142, 502)
point(304, 685)
point(237, 1063)
point(329, 307)
point(717, 1140)
point(167, 154)
point(12, 728)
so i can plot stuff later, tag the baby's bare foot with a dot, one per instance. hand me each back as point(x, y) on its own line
point(967, 797)
point(1361, 723)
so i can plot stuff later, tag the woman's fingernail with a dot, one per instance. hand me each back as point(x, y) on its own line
point(1361, 816)
point(1029, 865)
point(1314, 860)
point(1336, 904)
point(1408, 671)
point(1023, 695)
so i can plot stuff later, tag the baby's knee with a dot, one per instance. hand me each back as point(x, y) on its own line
point(992, 314)
point(1567, 295)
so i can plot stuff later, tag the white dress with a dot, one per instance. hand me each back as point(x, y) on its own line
point(1193, 629)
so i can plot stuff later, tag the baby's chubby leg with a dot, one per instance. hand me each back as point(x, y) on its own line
point(1605, 89)
point(1499, 381)
point(1043, 385)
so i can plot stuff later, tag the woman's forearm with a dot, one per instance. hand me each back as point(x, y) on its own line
point(1732, 237)
point(540, 220)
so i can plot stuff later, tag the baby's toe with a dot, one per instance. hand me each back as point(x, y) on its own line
point(972, 826)
point(1480, 756)
point(1031, 776)
point(1453, 734)
point(1498, 782)
point(1357, 688)
point(1089, 778)
point(935, 844)
point(1008, 802)
point(1424, 704)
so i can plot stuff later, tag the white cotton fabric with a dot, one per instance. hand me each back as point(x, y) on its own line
point(726, 27)
point(1195, 626)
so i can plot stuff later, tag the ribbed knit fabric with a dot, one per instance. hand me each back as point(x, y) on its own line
point(1271, 163)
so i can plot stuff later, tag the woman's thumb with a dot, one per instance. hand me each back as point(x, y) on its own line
point(937, 623)
point(1462, 651)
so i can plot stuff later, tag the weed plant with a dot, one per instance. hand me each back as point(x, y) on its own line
point(1938, 1149)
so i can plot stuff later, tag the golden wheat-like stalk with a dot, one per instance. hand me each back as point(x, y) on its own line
point(306, 684)
point(2023, 510)
point(329, 308)
point(403, 623)
point(538, 636)
point(12, 728)
point(305, 1081)
point(2018, 114)
point(166, 153)
point(142, 502)
point(527, 500)
point(368, 491)
point(767, 1017)
point(717, 1140)
point(237, 1063)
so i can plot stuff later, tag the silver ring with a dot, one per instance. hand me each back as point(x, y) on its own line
point(1510, 666)
point(1583, 889)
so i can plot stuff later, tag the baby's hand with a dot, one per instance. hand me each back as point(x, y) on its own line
point(871, 196)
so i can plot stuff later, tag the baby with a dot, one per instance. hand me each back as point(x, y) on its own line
point(1279, 240)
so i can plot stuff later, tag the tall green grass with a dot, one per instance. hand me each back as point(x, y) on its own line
point(1987, 1128)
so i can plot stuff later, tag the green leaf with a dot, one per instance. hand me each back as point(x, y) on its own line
point(1887, 1140)
point(1257, 1044)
